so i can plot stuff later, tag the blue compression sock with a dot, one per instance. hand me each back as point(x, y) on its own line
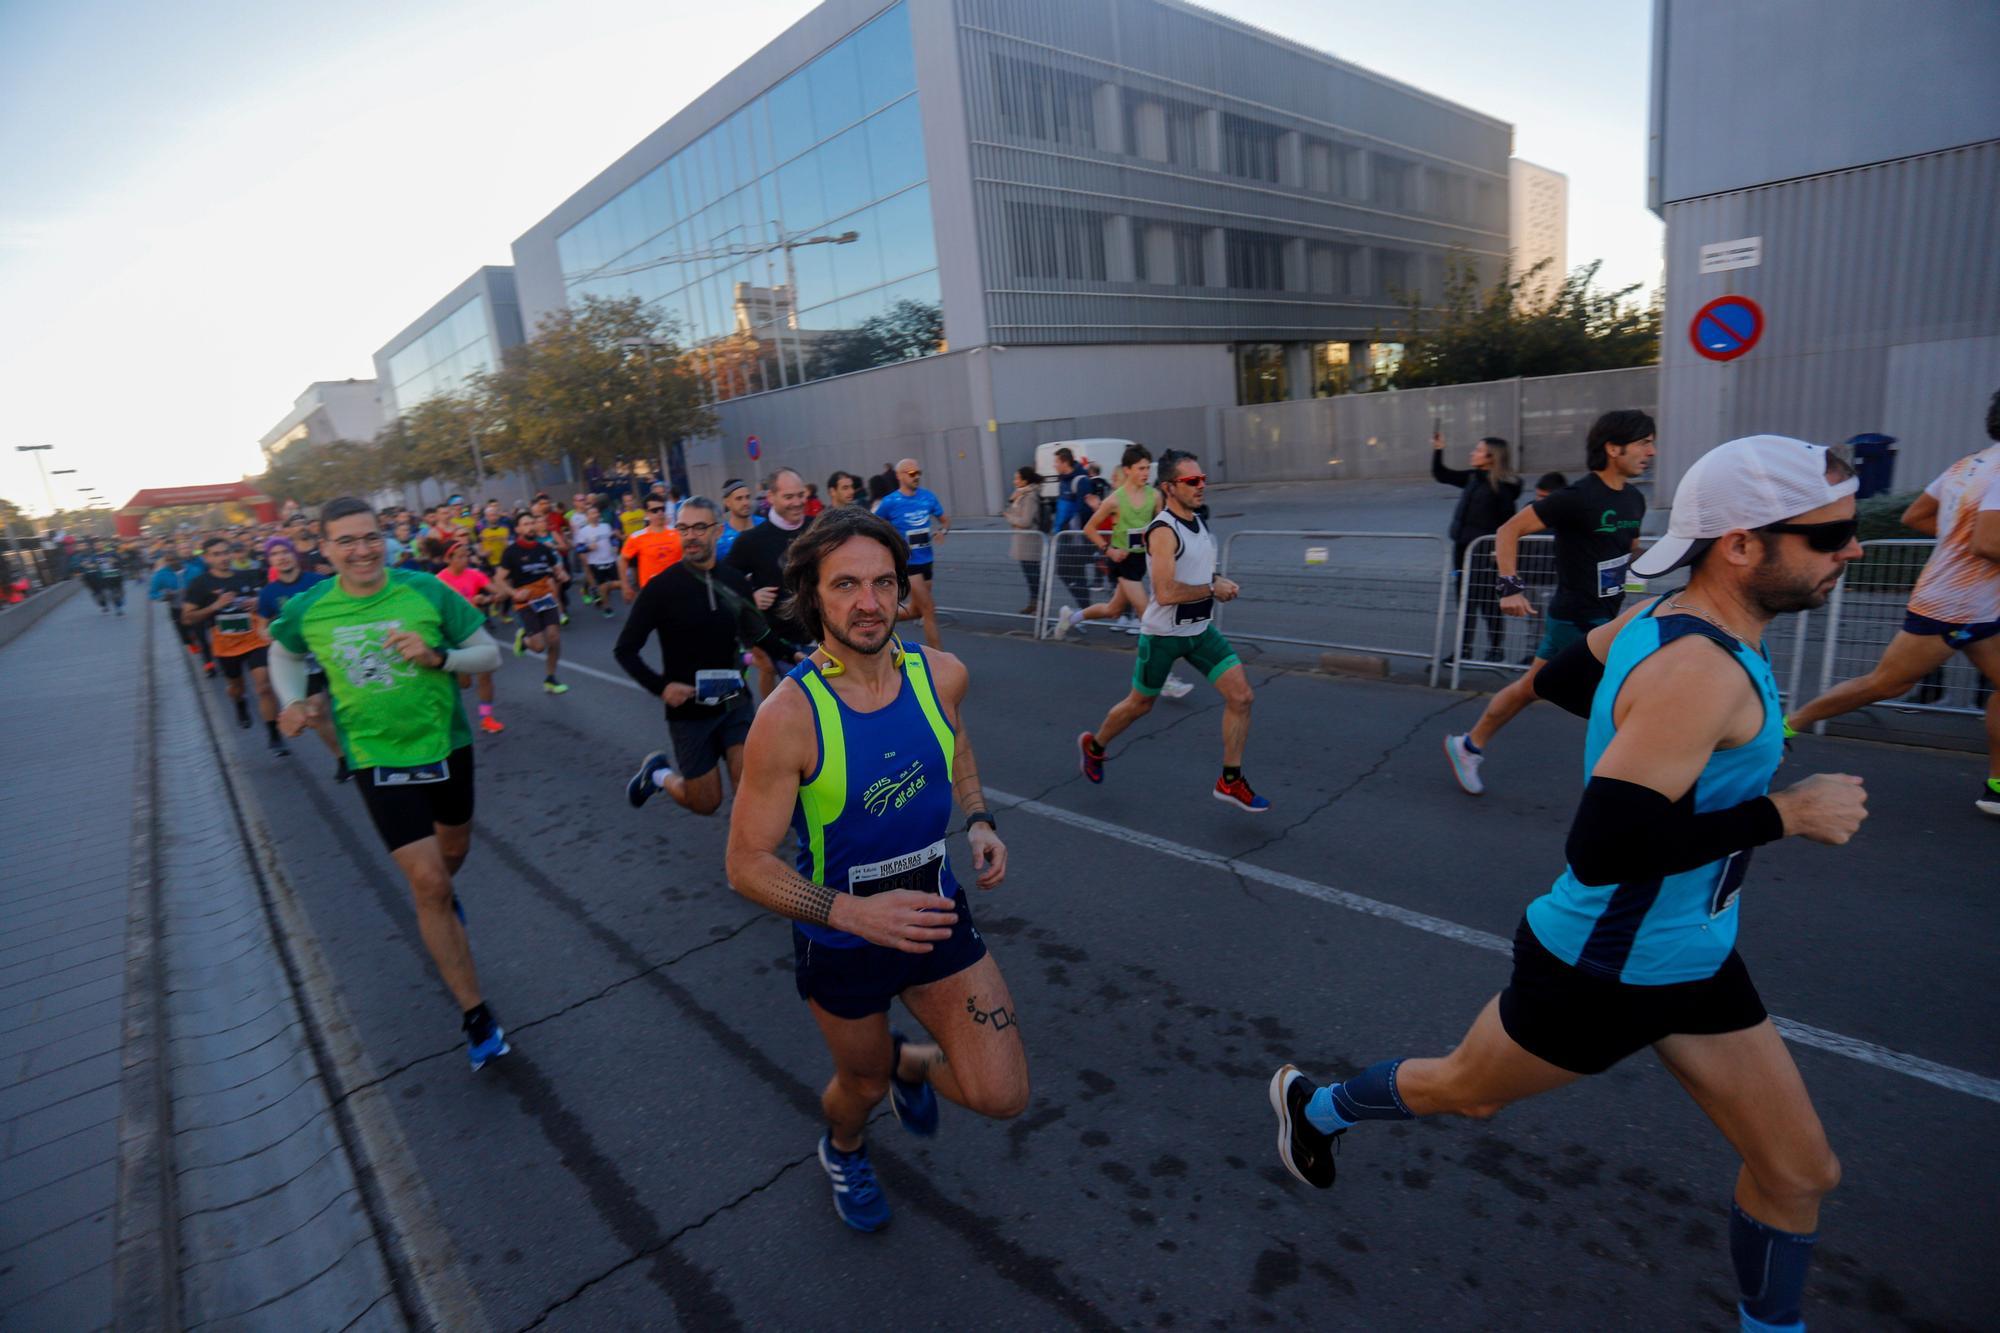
point(1369, 1095)
point(1470, 748)
point(1771, 1269)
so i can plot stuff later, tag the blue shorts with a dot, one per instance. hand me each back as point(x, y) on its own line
point(1958, 636)
point(1560, 634)
point(859, 981)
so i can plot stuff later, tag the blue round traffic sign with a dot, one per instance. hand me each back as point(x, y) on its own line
point(1726, 327)
point(753, 447)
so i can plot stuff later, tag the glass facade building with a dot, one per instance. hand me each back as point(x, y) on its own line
point(464, 334)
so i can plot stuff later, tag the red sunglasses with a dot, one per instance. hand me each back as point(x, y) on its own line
point(1198, 479)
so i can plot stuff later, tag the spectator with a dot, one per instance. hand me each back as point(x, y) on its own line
point(1024, 516)
point(1072, 557)
point(1487, 493)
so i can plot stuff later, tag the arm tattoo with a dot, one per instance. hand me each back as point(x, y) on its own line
point(791, 894)
point(965, 788)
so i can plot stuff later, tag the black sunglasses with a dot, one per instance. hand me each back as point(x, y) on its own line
point(1826, 538)
point(656, 509)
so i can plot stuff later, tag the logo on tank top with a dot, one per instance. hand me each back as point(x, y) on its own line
point(886, 794)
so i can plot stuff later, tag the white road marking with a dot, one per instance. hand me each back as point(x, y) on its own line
point(1803, 1034)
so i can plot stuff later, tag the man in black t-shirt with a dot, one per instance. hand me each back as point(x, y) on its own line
point(759, 555)
point(533, 573)
point(1596, 527)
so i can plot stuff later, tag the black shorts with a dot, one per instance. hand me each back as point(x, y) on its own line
point(604, 573)
point(315, 682)
point(403, 815)
point(256, 660)
point(1585, 1023)
point(857, 982)
point(700, 743)
point(1129, 565)
point(921, 572)
point(533, 622)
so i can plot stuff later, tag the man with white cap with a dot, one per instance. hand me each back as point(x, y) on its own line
point(1955, 606)
point(1634, 946)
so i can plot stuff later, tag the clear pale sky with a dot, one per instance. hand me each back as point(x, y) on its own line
point(209, 204)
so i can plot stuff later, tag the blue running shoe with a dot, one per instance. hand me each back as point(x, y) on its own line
point(915, 1104)
point(640, 789)
point(485, 1039)
point(856, 1196)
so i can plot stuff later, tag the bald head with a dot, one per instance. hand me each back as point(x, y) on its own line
point(909, 473)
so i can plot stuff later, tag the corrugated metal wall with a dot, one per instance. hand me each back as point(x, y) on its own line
point(1881, 296)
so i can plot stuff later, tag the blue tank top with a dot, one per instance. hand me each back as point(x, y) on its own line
point(1659, 931)
point(911, 515)
point(876, 812)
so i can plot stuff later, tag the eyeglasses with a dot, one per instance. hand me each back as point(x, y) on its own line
point(656, 509)
point(1826, 538)
point(1198, 479)
point(365, 539)
point(695, 529)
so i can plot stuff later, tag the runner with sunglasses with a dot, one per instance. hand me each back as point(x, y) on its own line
point(649, 551)
point(1635, 945)
point(1179, 623)
point(910, 510)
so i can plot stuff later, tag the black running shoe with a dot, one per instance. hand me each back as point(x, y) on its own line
point(243, 714)
point(279, 749)
point(341, 773)
point(1305, 1152)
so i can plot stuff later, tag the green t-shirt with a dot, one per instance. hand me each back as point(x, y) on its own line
point(389, 712)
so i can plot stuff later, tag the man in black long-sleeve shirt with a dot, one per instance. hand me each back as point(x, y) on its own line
point(759, 555)
point(704, 615)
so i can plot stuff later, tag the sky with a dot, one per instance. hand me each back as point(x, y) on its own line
point(207, 205)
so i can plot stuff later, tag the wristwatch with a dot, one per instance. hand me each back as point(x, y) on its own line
point(980, 817)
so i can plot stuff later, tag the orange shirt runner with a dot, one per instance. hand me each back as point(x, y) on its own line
point(654, 551)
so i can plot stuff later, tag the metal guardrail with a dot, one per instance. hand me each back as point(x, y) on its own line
point(1393, 607)
point(978, 574)
point(1866, 611)
point(1070, 559)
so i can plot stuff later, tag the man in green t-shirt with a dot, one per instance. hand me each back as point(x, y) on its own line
point(391, 643)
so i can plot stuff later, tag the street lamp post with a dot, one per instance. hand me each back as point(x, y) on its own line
point(38, 450)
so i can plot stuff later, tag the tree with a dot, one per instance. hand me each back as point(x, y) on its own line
point(1501, 333)
point(905, 330)
point(312, 474)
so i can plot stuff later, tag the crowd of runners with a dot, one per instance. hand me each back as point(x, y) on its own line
point(766, 622)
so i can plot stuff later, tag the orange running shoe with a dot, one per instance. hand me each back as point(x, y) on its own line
point(491, 725)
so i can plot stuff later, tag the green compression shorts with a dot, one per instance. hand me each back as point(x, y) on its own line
point(1208, 652)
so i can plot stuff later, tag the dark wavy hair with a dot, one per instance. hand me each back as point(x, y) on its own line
point(1627, 426)
point(347, 506)
point(827, 532)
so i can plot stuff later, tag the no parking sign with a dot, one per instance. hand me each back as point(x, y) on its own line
point(753, 447)
point(1726, 327)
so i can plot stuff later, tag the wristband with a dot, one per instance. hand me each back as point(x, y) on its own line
point(980, 817)
point(1509, 585)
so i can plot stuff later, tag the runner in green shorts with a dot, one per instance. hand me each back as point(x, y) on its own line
point(1179, 622)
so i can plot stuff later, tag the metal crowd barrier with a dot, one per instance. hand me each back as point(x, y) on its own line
point(1070, 577)
point(1866, 612)
point(978, 574)
point(1363, 592)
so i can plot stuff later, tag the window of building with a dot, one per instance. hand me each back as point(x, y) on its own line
point(1332, 374)
point(1161, 129)
point(1249, 149)
point(1260, 373)
point(1396, 274)
point(1395, 183)
point(1330, 268)
point(1256, 260)
point(1167, 253)
point(1052, 105)
point(1064, 243)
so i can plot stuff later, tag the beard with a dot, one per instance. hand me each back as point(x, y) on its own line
point(1776, 591)
point(865, 641)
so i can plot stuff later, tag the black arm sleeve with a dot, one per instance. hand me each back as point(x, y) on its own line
point(1450, 476)
point(1625, 832)
point(755, 632)
point(1569, 680)
point(641, 623)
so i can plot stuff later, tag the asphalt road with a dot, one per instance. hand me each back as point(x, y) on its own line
point(645, 1158)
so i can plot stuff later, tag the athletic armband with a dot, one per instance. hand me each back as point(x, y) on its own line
point(1569, 680)
point(1626, 832)
point(1509, 585)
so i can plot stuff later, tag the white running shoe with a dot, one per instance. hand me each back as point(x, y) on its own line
point(1176, 688)
point(1066, 620)
point(1464, 764)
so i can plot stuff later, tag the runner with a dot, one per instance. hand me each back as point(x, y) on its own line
point(1955, 606)
point(630, 517)
point(104, 575)
point(909, 509)
point(288, 579)
point(597, 544)
point(193, 567)
point(1118, 530)
point(223, 600)
point(1634, 946)
point(704, 618)
point(469, 583)
point(1596, 526)
point(391, 641)
point(842, 488)
point(861, 755)
point(529, 574)
point(736, 517)
point(495, 534)
point(761, 553)
point(1180, 547)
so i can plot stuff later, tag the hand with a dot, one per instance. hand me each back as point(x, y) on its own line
point(677, 693)
point(626, 588)
point(1517, 605)
point(900, 919)
point(1437, 439)
point(1225, 590)
point(1826, 807)
point(989, 855)
point(306, 713)
point(764, 597)
point(412, 646)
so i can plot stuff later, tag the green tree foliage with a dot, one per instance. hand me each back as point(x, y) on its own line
point(315, 473)
point(905, 330)
point(1499, 333)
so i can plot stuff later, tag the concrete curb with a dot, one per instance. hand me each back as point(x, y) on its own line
point(146, 1266)
point(23, 617)
point(418, 1251)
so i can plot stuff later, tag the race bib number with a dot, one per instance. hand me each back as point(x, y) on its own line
point(417, 775)
point(920, 872)
point(544, 604)
point(714, 687)
point(1729, 884)
point(1193, 613)
point(918, 536)
point(1611, 576)
point(233, 622)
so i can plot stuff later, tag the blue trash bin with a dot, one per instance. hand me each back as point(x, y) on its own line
point(1874, 464)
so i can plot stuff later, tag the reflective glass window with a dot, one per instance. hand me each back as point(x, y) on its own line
point(857, 264)
point(722, 149)
point(800, 195)
point(843, 168)
point(790, 107)
point(835, 82)
point(888, 67)
point(904, 224)
point(813, 267)
point(895, 148)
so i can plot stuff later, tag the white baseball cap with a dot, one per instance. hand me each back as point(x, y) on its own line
point(1742, 484)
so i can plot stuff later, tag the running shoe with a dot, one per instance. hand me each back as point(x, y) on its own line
point(1988, 801)
point(1464, 763)
point(1067, 619)
point(915, 1104)
point(520, 642)
point(279, 750)
point(1130, 624)
point(1305, 1151)
point(640, 789)
point(1092, 763)
point(1238, 794)
point(243, 714)
point(606, 609)
point(856, 1196)
point(341, 772)
point(491, 725)
point(589, 597)
point(565, 619)
point(208, 669)
point(485, 1039)
point(1176, 688)
point(554, 687)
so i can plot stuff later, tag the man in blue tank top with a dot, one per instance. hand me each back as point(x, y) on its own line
point(919, 518)
point(1634, 946)
point(861, 752)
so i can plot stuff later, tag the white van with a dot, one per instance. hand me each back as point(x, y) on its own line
point(1103, 451)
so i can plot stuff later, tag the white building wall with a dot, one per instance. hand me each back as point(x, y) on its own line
point(1538, 225)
